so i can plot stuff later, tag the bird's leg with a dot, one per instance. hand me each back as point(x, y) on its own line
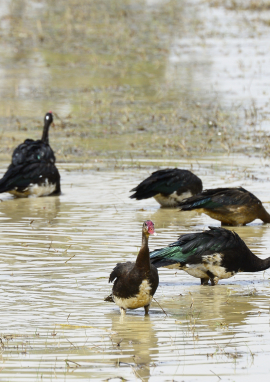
point(146, 309)
point(225, 224)
point(204, 281)
point(123, 311)
point(214, 281)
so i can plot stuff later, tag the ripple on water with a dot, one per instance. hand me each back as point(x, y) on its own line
point(56, 255)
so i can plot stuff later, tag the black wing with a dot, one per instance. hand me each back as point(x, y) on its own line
point(20, 177)
point(166, 182)
point(121, 269)
point(218, 197)
point(190, 248)
point(32, 151)
point(32, 162)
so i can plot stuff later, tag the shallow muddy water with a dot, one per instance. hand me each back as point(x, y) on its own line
point(56, 256)
point(130, 79)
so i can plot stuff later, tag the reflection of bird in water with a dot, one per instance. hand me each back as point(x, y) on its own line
point(210, 255)
point(165, 217)
point(32, 170)
point(135, 283)
point(168, 186)
point(136, 338)
point(38, 209)
point(232, 206)
point(215, 307)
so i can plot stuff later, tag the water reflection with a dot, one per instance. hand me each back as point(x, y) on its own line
point(214, 308)
point(166, 217)
point(31, 210)
point(137, 338)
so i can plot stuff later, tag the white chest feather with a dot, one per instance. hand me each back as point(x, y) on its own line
point(143, 298)
point(43, 189)
point(172, 199)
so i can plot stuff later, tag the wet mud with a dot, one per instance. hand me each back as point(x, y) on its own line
point(135, 79)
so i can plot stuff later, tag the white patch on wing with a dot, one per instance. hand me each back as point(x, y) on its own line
point(143, 298)
point(210, 263)
point(43, 190)
point(172, 199)
point(214, 258)
point(36, 190)
point(196, 270)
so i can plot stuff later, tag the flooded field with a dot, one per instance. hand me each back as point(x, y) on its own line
point(56, 256)
point(134, 86)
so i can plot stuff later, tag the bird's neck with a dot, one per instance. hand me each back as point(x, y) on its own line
point(143, 258)
point(264, 215)
point(45, 135)
point(265, 264)
point(255, 264)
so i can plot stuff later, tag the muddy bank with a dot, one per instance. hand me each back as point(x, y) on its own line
point(134, 79)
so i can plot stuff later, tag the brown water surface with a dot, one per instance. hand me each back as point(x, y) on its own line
point(166, 80)
point(56, 256)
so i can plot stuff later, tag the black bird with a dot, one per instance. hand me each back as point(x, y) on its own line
point(232, 206)
point(168, 186)
point(135, 283)
point(32, 170)
point(215, 254)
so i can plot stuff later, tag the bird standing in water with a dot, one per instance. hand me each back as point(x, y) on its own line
point(32, 170)
point(168, 186)
point(232, 206)
point(135, 283)
point(210, 255)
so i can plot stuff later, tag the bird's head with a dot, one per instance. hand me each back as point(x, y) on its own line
point(48, 119)
point(149, 228)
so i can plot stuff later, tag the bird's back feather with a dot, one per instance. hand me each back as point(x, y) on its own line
point(32, 162)
point(191, 247)
point(218, 198)
point(166, 182)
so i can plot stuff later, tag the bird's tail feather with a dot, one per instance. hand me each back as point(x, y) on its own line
point(109, 298)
